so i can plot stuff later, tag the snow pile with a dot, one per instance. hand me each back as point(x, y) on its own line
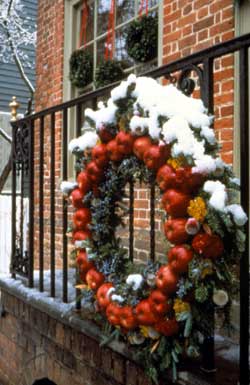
point(217, 190)
point(104, 115)
point(239, 216)
point(86, 141)
point(135, 281)
point(121, 91)
point(117, 298)
point(67, 186)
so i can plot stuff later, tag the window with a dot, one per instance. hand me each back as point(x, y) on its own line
point(97, 28)
point(96, 34)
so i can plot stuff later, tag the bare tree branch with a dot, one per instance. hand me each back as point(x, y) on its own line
point(5, 174)
point(16, 57)
point(5, 135)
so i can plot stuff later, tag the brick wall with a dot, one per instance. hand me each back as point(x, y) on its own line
point(35, 345)
point(192, 25)
point(49, 91)
point(188, 26)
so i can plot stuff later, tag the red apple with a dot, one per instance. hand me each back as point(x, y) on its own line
point(81, 235)
point(127, 318)
point(209, 246)
point(166, 279)
point(166, 177)
point(99, 155)
point(187, 181)
point(155, 157)
point(141, 145)
point(76, 198)
point(144, 314)
point(175, 203)
point(168, 327)
point(113, 313)
point(125, 142)
point(83, 262)
point(81, 218)
point(159, 302)
point(175, 230)
point(102, 294)
point(94, 279)
point(113, 152)
point(83, 182)
point(105, 135)
point(95, 173)
point(179, 257)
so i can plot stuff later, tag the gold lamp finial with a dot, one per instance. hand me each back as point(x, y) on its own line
point(14, 105)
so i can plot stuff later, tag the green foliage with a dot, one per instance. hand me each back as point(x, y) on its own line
point(142, 38)
point(201, 293)
point(108, 71)
point(81, 68)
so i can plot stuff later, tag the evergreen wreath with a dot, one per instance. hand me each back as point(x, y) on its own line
point(81, 68)
point(108, 71)
point(142, 38)
point(149, 132)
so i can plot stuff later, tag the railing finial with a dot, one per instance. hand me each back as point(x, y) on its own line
point(14, 105)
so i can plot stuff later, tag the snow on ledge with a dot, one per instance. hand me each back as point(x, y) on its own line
point(19, 286)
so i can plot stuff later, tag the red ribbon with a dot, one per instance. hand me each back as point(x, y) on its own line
point(109, 45)
point(142, 6)
point(84, 22)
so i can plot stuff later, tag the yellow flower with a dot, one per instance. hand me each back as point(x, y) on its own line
point(175, 162)
point(149, 332)
point(144, 331)
point(181, 306)
point(207, 269)
point(197, 209)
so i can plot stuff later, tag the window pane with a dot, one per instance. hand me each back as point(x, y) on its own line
point(120, 49)
point(103, 15)
point(90, 23)
point(125, 10)
point(151, 3)
point(100, 50)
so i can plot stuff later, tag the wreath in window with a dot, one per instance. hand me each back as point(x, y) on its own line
point(108, 71)
point(81, 68)
point(142, 38)
point(150, 132)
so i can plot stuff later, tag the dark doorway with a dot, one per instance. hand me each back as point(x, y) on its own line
point(43, 381)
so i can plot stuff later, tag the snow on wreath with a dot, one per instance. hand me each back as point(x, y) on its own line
point(154, 133)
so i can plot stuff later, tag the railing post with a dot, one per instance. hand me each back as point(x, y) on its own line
point(207, 94)
point(65, 205)
point(131, 220)
point(31, 205)
point(244, 178)
point(52, 205)
point(14, 105)
point(13, 208)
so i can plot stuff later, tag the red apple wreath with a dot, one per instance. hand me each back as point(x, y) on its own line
point(150, 132)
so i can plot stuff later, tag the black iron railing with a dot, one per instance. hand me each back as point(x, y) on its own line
point(198, 66)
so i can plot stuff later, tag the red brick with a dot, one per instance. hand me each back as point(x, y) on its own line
point(187, 41)
point(204, 23)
